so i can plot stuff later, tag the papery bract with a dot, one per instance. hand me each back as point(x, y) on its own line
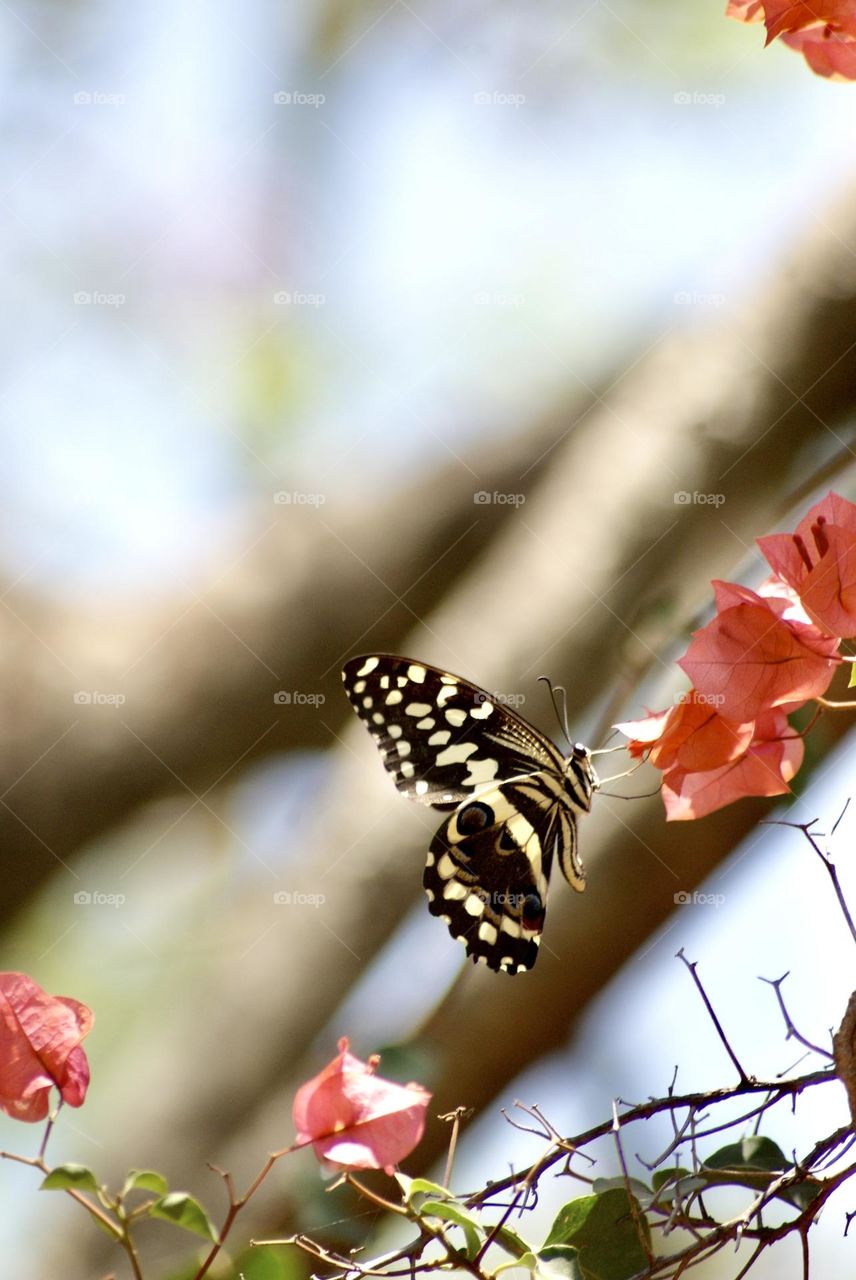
point(40, 1048)
point(765, 769)
point(819, 562)
point(691, 735)
point(824, 31)
point(356, 1119)
point(749, 658)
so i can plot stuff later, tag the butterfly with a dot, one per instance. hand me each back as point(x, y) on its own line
point(512, 799)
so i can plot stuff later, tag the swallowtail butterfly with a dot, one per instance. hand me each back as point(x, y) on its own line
point(513, 800)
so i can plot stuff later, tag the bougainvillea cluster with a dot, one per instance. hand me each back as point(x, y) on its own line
point(765, 654)
point(823, 31)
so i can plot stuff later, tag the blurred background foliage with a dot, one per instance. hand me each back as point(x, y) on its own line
point(350, 250)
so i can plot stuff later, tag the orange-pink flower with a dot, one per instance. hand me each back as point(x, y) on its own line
point(824, 31)
point(40, 1048)
point(357, 1120)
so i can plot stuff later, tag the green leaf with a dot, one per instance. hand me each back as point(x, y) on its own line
point(264, 1264)
point(416, 1186)
point(455, 1213)
point(750, 1153)
point(511, 1242)
point(145, 1180)
point(554, 1262)
point(603, 1229)
point(640, 1190)
point(754, 1162)
point(677, 1184)
point(66, 1176)
point(852, 680)
point(183, 1211)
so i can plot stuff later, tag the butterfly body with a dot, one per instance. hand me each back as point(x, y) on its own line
point(511, 797)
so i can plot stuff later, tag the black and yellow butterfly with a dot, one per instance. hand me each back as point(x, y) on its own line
point(514, 800)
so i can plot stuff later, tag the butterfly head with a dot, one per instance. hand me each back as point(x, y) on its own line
point(581, 776)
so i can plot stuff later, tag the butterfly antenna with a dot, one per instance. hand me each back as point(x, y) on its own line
point(562, 719)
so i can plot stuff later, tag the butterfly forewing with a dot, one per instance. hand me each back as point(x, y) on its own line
point(449, 744)
point(441, 737)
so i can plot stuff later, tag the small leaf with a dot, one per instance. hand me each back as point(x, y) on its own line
point(416, 1186)
point(511, 1242)
point(554, 1262)
point(639, 1189)
point(750, 1153)
point(852, 680)
point(183, 1211)
point(66, 1176)
point(264, 1264)
point(662, 1176)
point(454, 1213)
point(145, 1180)
point(603, 1228)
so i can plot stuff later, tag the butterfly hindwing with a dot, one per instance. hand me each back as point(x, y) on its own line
point(441, 737)
point(488, 870)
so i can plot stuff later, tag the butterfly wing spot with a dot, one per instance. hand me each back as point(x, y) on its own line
point(403, 747)
point(395, 730)
point(446, 693)
point(427, 723)
point(416, 672)
point(417, 709)
point(377, 717)
point(487, 933)
point(421, 787)
point(481, 712)
point(407, 769)
point(359, 686)
point(370, 664)
point(393, 697)
point(368, 702)
point(474, 817)
point(440, 738)
point(458, 753)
